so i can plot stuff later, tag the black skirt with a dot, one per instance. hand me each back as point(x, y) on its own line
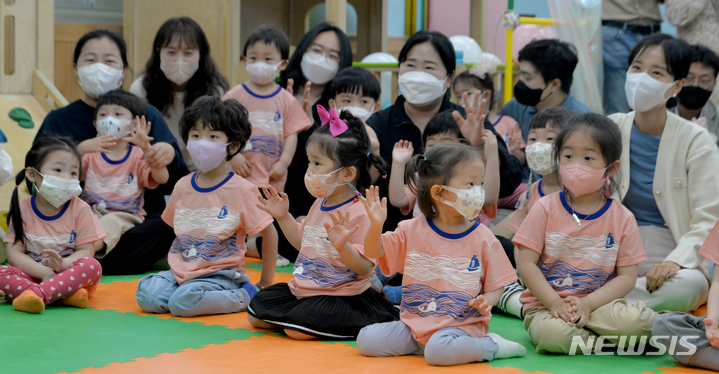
point(326, 317)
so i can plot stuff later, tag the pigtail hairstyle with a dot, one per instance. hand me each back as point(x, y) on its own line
point(605, 133)
point(351, 148)
point(435, 167)
point(35, 158)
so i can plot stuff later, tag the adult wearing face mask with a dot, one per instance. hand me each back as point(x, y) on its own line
point(426, 69)
point(100, 62)
point(669, 178)
point(693, 100)
point(179, 71)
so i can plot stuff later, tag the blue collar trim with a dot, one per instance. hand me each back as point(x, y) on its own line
point(118, 162)
point(447, 235)
point(584, 217)
point(44, 217)
point(260, 96)
point(208, 189)
point(331, 208)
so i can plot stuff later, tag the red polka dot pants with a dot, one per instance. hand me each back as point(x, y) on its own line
point(84, 273)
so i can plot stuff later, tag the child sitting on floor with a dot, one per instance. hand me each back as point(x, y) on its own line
point(579, 249)
point(52, 235)
point(212, 211)
point(454, 268)
point(116, 179)
point(329, 296)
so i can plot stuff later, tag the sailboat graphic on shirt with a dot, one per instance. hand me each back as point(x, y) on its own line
point(610, 241)
point(72, 237)
point(473, 264)
point(277, 116)
point(223, 213)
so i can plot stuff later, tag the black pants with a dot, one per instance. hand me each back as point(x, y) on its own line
point(508, 247)
point(139, 248)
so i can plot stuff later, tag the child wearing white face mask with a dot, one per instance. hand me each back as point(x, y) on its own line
point(275, 115)
point(454, 268)
point(116, 178)
point(52, 235)
point(579, 249)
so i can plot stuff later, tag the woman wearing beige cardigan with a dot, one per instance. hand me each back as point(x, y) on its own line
point(670, 178)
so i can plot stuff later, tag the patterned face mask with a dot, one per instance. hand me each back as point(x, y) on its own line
point(317, 184)
point(540, 157)
point(57, 191)
point(469, 201)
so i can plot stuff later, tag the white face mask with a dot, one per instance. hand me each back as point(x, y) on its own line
point(179, 72)
point(317, 68)
point(356, 111)
point(262, 73)
point(57, 191)
point(420, 88)
point(98, 79)
point(644, 92)
point(469, 201)
point(113, 126)
point(540, 157)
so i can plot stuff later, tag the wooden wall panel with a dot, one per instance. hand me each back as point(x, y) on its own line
point(18, 46)
point(66, 37)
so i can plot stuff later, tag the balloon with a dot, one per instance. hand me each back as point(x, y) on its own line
point(385, 76)
point(379, 57)
point(471, 49)
point(526, 33)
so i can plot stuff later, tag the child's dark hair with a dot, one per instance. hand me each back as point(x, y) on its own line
point(556, 117)
point(357, 81)
point(227, 116)
point(270, 36)
point(604, 132)
point(131, 102)
point(351, 148)
point(435, 167)
point(441, 123)
point(553, 59)
point(483, 84)
point(35, 158)
point(677, 53)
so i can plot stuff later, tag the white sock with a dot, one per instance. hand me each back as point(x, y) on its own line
point(506, 348)
point(514, 307)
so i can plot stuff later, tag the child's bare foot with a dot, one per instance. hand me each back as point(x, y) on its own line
point(28, 301)
point(78, 299)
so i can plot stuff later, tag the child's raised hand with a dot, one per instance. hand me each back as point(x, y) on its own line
point(239, 165)
point(376, 208)
point(490, 144)
point(279, 169)
point(581, 308)
point(481, 305)
point(562, 309)
point(712, 330)
point(338, 232)
point(473, 127)
point(97, 144)
point(139, 136)
point(53, 261)
point(276, 204)
point(515, 142)
point(402, 152)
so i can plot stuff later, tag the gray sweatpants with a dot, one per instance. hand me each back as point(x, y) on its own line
point(448, 346)
point(685, 324)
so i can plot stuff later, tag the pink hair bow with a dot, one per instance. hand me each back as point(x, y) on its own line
point(337, 126)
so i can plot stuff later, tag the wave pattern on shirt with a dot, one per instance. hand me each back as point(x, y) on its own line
point(265, 121)
point(321, 272)
point(565, 277)
point(130, 205)
point(316, 237)
point(594, 249)
point(37, 244)
point(124, 185)
point(456, 271)
point(209, 219)
point(210, 248)
point(267, 145)
point(426, 301)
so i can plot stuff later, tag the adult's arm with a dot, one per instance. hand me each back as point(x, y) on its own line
point(683, 12)
point(161, 134)
point(703, 188)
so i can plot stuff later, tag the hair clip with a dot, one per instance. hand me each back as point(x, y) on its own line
point(337, 126)
point(368, 154)
point(358, 196)
point(424, 158)
point(384, 176)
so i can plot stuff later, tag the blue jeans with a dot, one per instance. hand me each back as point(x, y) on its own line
point(214, 293)
point(617, 44)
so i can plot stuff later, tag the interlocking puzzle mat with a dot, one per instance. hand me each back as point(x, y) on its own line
point(113, 336)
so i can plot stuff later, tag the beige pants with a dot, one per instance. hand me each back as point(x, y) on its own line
point(554, 335)
point(114, 224)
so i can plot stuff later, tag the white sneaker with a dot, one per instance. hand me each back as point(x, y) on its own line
point(282, 262)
